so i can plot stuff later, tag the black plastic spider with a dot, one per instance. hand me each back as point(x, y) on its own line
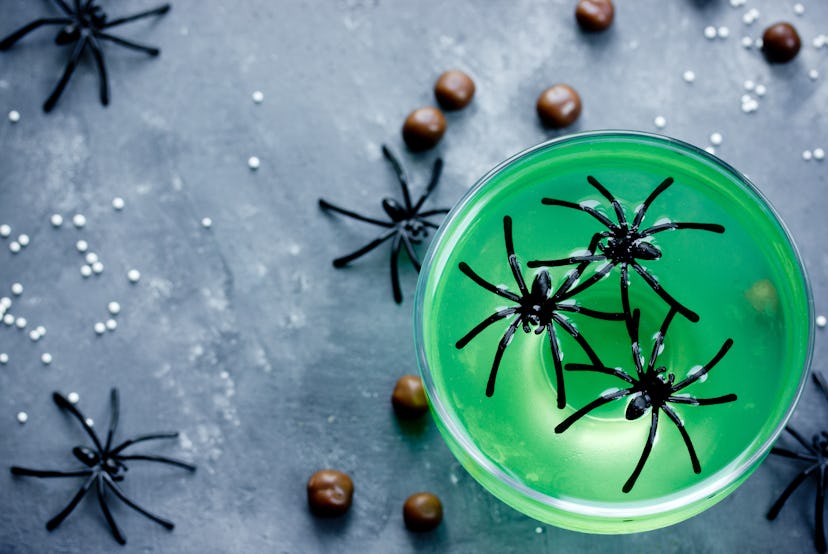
point(406, 225)
point(84, 26)
point(105, 467)
point(536, 308)
point(649, 390)
point(816, 454)
point(623, 244)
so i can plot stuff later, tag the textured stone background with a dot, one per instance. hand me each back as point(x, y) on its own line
point(272, 363)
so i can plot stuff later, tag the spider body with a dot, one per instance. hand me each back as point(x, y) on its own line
point(650, 391)
point(406, 224)
point(537, 309)
point(84, 24)
point(624, 244)
point(104, 467)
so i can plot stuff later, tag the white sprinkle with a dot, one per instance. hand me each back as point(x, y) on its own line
point(100, 328)
point(85, 270)
point(258, 96)
point(22, 417)
point(821, 321)
point(79, 220)
point(14, 246)
point(747, 42)
point(8, 319)
point(98, 268)
point(34, 335)
point(89, 421)
point(716, 139)
point(14, 116)
point(41, 330)
point(4, 358)
point(5, 302)
point(749, 85)
point(737, 3)
point(21, 322)
point(118, 203)
point(750, 106)
point(538, 530)
point(57, 220)
point(761, 90)
point(73, 397)
point(23, 240)
point(114, 308)
point(111, 324)
point(206, 222)
point(46, 358)
point(710, 150)
point(799, 9)
point(660, 122)
point(82, 246)
point(758, 43)
point(253, 162)
point(5, 230)
point(819, 154)
point(819, 41)
point(91, 258)
point(133, 275)
point(723, 32)
point(813, 74)
point(689, 76)
point(710, 32)
point(807, 155)
point(17, 289)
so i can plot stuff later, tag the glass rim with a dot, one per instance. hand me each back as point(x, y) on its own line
point(619, 510)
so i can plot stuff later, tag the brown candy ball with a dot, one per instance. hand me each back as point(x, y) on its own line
point(780, 43)
point(594, 15)
point(409, 399)
point(423, 128)
point(422, 512)
point(330, 493)
point(454, 90)
point(559, 106)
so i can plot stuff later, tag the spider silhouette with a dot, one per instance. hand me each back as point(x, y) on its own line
point(623, 244)
point(650, 390)
point(406, 225)
point(85, 25)
point(538, 309)
point(105, 467)
point(816, 456)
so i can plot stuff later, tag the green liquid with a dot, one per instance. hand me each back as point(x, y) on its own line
point(745, 284)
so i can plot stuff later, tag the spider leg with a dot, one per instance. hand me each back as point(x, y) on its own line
point(434, 212)
point(409, 248)
point(497, 316)
point(501, 347)
point(574, 275)
point(602, 272)
point(61, 401)
point(795, 434)
point(591, 211)
point(659, 339)
point(116, 532)
point(642, 210)
point(684, 435)
point(712, 227)
point(395, 273)
point(142, 438)
point(632, 327)
point(556, 359)
point(600, 368)
point(686, 312)
point(820, 381)
point(706, 367)
point(702, 401)
point(464, 267)
point(401, 177)
point(120, 494)
point(567, 261)
point(785, 453)
point(579, 338)
point(510, 253)
point(819, 512)
point(114, 414)
point(52, 524)
point(574, 308)
point(648, 446)
point(619, 212)
point(436, 171)
point(63, 6)
point(9, 41)
point(67, 74)
point(603, 399)
point(792, 486)
point(151, 50)
point(429, 224)
point(99, 61)
point(345, 260)
point(161, 459)
point(160, 10)
point(325, 205)
point(625, 296)
point(16, 470)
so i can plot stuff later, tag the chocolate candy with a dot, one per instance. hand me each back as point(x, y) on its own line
point(559, 106)
point(780, 43)
point(330, 493)
point(594, 15)
point(422, 512)
point(409, 399)
point(454, 90)
point(423, 128)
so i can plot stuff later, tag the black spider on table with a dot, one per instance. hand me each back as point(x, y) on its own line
point(649, 390)
point(623, 244)
point(84, 24)
point(105, 467)
point(538, 309)
point(406, 225)
point(816, 455)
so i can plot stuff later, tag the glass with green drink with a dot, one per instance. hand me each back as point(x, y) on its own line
point(613, 328)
